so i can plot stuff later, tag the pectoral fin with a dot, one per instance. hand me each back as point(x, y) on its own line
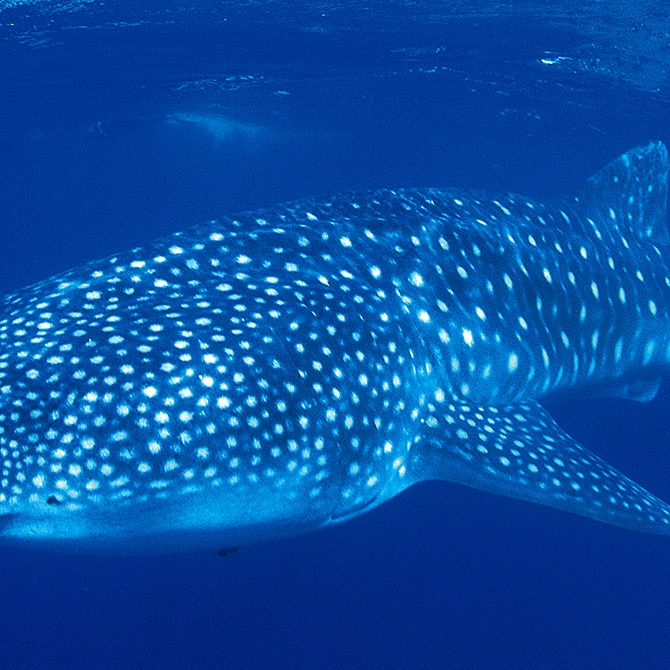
point(519, 451)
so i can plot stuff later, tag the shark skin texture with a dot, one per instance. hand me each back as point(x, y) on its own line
point(286, 369)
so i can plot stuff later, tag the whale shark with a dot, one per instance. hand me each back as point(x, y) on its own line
point(287, 369)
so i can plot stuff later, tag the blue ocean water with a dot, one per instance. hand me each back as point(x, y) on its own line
point(123, 121)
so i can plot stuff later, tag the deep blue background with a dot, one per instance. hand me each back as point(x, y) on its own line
point(97, 154)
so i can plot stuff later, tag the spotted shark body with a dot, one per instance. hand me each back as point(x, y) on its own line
point(287, 369)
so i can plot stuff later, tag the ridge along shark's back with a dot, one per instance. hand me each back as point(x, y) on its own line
point(289, 368)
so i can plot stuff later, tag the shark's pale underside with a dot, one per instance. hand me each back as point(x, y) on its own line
point(286, 369)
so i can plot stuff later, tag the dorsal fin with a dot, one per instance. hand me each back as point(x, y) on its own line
point(631, 193)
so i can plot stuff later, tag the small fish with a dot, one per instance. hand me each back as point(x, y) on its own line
point(287, 369)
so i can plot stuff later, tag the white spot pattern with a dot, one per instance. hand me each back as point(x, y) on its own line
point(295, 364)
